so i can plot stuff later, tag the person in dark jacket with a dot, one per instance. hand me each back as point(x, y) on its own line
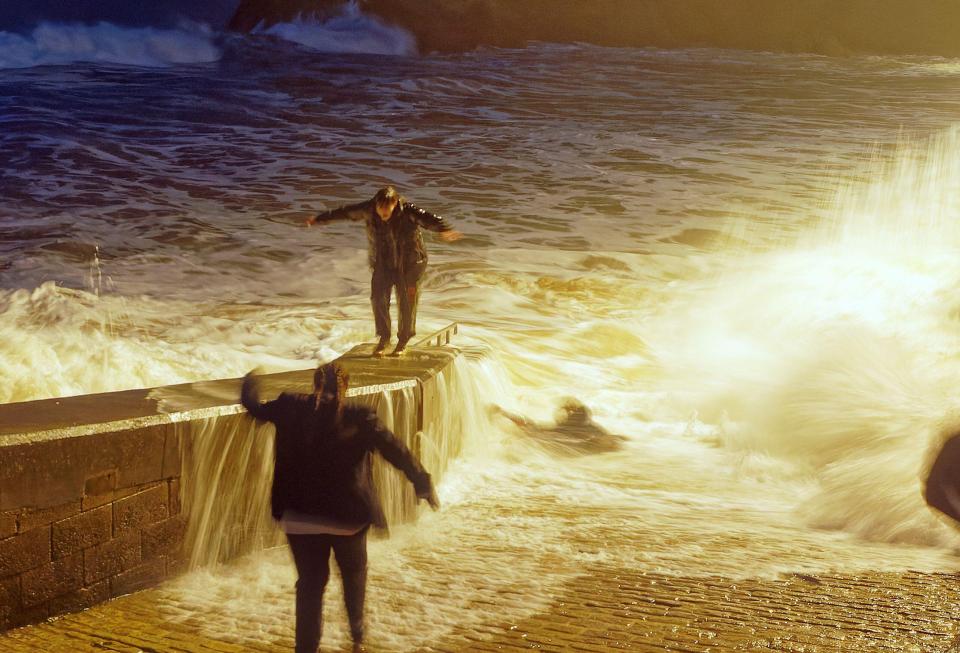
point(323, 493)
point(397, 257)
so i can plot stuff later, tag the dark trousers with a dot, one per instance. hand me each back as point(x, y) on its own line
point(407, 283)
point(311, 555)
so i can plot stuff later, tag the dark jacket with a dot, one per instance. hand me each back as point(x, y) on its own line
point(396, 244)
point(324, 470)
point(942, 489)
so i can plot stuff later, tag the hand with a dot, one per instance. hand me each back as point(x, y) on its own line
point(451, 235)
point(430, 496)
point(309, 221)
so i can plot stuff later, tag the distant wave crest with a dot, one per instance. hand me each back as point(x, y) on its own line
point(56, 43)
point(349, 31)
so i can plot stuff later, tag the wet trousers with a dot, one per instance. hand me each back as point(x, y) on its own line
point(407, 284)
point(311, 555)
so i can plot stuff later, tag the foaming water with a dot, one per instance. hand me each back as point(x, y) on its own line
point(349, 32)
point(835, 351)
point(518, 523)
point(691, 243)
point(56, 44)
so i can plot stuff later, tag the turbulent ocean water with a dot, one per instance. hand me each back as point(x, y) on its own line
point(743, 262)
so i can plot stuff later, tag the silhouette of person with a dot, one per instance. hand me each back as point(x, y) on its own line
point(574, 432)
point(323, 493)
point(397, 257)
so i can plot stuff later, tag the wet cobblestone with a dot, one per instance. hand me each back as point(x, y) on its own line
point(544, 575)
point(606, 609)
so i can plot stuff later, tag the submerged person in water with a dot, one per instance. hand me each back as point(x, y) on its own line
point(574, 432)
point(323, 493)
point(397, 257)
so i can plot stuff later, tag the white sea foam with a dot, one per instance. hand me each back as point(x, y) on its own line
point(835, 353)
point(349, 32)
point(55, 44)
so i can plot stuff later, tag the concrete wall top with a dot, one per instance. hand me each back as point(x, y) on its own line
point(65, 417)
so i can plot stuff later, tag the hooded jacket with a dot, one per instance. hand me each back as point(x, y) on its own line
point(395, 245)
point(322, 467)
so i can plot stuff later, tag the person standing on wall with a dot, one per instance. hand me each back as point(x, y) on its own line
point(397, 257)
point(323, 493)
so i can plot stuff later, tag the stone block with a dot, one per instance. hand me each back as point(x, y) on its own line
point(24, 551)
point(123, 493)
point(80, 599)
point(138, 578)
point(176, 503)
point(139, 456)
point(8, 523)
point(171, 452)
point(35, 517)
point(82, 531)
point(104, 483)
point(29, 476)
point(91, 502)
point(9, 597)
point(145, 507)
point(111, 558)
point(98, 490)
point(164, 538)
point(51, 580)
point(22, 616)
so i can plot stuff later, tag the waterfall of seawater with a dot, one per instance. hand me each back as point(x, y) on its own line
point(228, 464)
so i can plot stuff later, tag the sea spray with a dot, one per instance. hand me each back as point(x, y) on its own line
point(834, 351)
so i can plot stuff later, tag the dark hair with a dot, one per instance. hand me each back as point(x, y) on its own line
point(330, 383)
point(386, 195)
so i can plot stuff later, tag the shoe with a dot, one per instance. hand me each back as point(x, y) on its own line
point(356, 633)
point(381, 347)
point(400, 349)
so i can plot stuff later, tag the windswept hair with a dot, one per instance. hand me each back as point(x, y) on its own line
point(386, 195)
point(330, 384)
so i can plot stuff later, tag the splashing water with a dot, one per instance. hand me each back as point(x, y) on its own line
point(832, 357)
point(349, 32)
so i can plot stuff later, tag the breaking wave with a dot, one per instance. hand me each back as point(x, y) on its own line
point(348, 32)
point(57, 44)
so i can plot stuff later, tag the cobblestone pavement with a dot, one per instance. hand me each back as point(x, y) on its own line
point(549, 569)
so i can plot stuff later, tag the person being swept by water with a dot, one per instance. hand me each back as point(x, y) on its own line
point(574, 433)
point(397, 257)
point(323, 494)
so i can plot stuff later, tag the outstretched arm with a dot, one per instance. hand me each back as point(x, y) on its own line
point(355, 212)
point(250, 398)
point(432, 222)
point(397, 454)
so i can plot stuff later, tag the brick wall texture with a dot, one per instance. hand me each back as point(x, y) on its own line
point(74, 555)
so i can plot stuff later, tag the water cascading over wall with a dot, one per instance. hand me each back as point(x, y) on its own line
point(228, 464)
